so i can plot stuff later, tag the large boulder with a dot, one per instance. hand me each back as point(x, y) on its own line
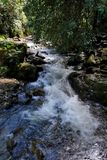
point(72, 60)
point(89, 86)
point(36, 60)
point(8, 93)
point(76, 58)
point(27, 72)
point(103, 55)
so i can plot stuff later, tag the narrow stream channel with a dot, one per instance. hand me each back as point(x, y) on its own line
point(61, 128)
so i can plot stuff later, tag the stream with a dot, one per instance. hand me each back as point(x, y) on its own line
point(54, 126)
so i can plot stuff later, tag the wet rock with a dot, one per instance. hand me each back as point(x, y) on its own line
point(31, 94)
point(24, 100)
point(35, 60)
point(79, 67)
point(36, 151)
point(17, 131)
point(27, 72)
point(103, 70)
point(44, 52)
point(8, 105)
point(81, 57)
point(89, 86)
point(103, 55)
point(38, 92)
point(8, 92)
point(104, 51)
point(39, 68)
point(38, 103)
point(39, 55)
point(91, 69)
point(11, 144)
point(72, 60)
point(76, 59)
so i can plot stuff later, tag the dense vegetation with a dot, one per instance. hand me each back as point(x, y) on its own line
point(12, 18)
point(67, 24)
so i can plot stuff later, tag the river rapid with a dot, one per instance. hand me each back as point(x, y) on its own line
point(56, 126)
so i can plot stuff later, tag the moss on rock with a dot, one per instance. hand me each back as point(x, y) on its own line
point(89, 86)
point(27, 71)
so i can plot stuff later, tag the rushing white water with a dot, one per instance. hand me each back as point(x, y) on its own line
point(61, 100)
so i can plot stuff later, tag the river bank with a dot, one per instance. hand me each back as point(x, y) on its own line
point(89, 79)
point(18, 66)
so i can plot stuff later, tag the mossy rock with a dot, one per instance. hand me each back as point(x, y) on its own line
point(27, 72)
point(89, 87)
point(104, 51)
point(91, 60)
point(8, 93)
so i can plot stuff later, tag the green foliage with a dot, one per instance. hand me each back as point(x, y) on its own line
point(11, 55)
point(67, 24)
point(102, 15)
point(54, 21)
point(12, 18)
point(2, 37)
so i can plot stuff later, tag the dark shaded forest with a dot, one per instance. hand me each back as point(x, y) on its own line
point(67, 24)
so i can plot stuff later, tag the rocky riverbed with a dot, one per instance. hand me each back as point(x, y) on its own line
point(19, 64)
point(9, 89)
point(89, 79)
point(45, 119)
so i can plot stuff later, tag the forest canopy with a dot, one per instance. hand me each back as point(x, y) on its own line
point(66, 23)
point(12, 17)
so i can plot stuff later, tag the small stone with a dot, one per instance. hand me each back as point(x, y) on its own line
point(38, 92)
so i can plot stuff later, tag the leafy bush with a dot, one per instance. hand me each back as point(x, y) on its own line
point(12, 18)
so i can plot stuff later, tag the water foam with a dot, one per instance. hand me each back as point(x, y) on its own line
point(60, 96)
